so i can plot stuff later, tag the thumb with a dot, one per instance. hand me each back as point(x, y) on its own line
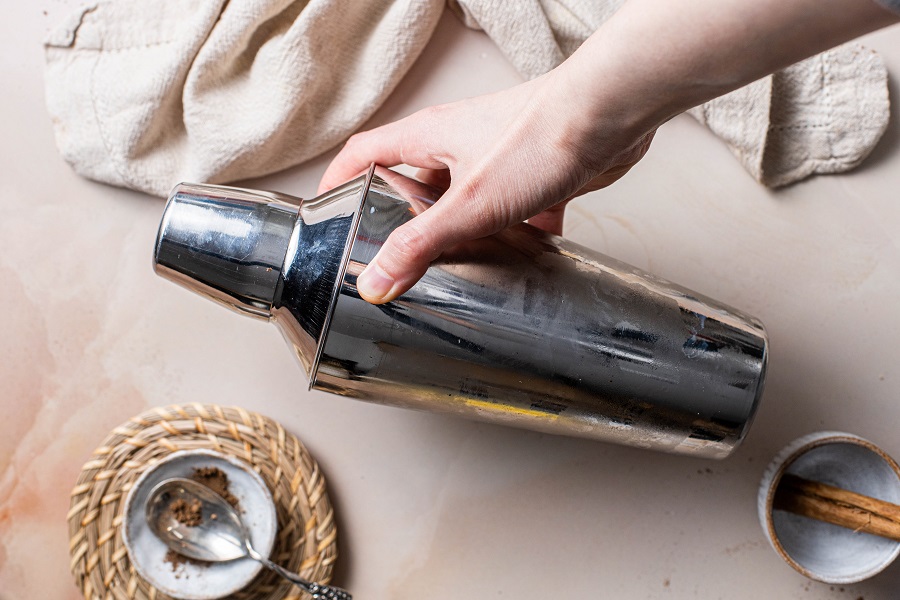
point(404, 257)
point(461, 214)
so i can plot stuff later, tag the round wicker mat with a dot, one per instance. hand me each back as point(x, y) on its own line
point(305, 543)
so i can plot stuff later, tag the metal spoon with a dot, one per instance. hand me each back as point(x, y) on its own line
point(220, 535)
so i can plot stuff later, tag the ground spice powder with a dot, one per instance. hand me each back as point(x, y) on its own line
point(216, 480)
point(187, 512)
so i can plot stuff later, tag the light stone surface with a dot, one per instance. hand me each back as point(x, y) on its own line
point(429, 506)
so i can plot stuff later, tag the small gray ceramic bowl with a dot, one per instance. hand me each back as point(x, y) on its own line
point(823, 551)
point(187, 580)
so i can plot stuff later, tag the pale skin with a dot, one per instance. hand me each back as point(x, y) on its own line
point(523, 153)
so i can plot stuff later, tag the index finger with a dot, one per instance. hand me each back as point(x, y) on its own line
point(390, 145)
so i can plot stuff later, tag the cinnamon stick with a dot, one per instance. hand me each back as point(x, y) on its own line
point(837, 506)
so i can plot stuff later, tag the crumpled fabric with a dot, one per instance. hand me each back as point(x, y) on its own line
point(146, 94)
point(821, 115)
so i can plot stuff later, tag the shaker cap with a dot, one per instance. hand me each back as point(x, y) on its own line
point(226, 243)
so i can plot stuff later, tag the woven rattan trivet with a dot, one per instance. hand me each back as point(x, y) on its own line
point(306, 533)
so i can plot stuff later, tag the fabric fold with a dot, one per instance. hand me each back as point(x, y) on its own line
point(146, 94)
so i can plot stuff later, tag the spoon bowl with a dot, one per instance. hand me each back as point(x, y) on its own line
point(218, 537)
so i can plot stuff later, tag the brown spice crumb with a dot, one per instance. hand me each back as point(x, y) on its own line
point(187, 512)
point(179, 560)
point(216, 480)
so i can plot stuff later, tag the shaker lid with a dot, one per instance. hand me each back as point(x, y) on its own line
point(226, 243)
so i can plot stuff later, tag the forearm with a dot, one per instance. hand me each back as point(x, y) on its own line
point(657, 58)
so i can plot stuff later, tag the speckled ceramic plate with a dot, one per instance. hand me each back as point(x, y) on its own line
point(188, 580)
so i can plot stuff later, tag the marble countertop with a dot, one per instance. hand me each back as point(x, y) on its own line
point(431, 506)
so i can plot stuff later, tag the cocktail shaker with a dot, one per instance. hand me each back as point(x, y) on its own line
point(522, 328)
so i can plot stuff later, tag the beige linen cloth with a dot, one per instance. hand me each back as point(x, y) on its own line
point(144, 94)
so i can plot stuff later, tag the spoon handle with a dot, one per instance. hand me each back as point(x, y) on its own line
point(316, 590)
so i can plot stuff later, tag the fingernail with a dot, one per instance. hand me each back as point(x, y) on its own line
point(373, 282)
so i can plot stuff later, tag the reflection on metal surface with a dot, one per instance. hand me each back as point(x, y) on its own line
point(522, 327)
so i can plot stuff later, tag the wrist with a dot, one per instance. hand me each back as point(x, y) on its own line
point(601, 109)
point(655, 59)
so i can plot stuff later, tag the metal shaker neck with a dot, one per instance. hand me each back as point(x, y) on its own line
point(265, 255)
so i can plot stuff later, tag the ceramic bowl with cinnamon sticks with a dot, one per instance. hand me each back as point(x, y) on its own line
point(829, 504)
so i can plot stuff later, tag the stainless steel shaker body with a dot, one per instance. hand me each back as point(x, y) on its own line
point(522, 328)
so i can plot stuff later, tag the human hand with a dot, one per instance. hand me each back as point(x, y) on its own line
point(501, 159)
point(524, 152)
